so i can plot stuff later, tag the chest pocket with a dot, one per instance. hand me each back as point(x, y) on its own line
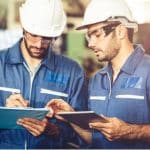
point(53, 86)
point(58, 93)
point(131, 89)
point(98, 101)
point(130, 94)
point(50, 91)
point(131, 105)
point(5, 92)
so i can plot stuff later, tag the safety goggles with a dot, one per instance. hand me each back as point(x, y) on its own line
point(102, 32)
point(36, 38)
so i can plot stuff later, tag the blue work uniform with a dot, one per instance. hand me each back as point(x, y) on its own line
point(56, 77)
point(127, 98)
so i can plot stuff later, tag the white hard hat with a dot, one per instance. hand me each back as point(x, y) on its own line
point(43, 17)
point(108, 10)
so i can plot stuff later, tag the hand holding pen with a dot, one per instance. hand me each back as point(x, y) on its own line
point(16, 100)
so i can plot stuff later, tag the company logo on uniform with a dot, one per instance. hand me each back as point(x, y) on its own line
point(56, 77)
point(132, 82)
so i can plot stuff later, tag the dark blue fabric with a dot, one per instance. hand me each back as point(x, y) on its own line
point(56, 73)
point(127, 98)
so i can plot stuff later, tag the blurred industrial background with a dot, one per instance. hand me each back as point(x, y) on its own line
point(72, 42)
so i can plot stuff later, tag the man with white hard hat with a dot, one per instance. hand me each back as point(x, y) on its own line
point(120, 92)
point(31, 75)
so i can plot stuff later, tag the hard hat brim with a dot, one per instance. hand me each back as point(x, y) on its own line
point(82, 27)
point(130, 25)
point(85, 26)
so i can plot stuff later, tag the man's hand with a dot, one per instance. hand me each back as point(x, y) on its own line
point(16, 100)
point(37, 127)
point(58, 105)
point(113, 128)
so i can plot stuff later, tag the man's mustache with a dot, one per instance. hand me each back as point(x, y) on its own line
point(40, 49)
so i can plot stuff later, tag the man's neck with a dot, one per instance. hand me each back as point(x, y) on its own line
point(121, 58)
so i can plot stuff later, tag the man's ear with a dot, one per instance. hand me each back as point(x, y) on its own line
point(121, 32)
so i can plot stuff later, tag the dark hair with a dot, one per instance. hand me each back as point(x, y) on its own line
point(130, 34)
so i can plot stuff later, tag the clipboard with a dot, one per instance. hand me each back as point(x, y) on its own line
point(82, 118)
point(10, 115)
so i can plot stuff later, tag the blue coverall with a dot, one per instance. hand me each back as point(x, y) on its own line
point(127, 98)
point(56, 77)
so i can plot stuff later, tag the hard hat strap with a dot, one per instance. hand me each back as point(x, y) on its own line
point(110, 27)
point(123, 20)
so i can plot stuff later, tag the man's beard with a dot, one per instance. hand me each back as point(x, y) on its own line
point(45, 50)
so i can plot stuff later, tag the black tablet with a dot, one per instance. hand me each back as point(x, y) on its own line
point(82, 118)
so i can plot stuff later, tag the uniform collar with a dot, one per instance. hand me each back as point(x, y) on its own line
point(131, 63)
point(49, 60)
point(15, 56)
point(106, 69)
point(133, 60)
